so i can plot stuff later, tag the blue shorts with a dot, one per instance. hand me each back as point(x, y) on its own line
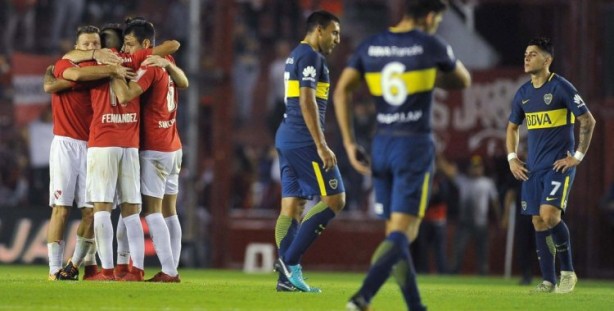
point(302, 175)
point(402, 168)
point(546, 187)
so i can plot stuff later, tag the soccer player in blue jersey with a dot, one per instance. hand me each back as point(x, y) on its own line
point(401, 67)
point(550, 105)
point(308, 166)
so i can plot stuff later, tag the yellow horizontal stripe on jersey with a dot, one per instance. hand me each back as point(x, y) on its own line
point(322, 90)
point(415, 81)
point(319, 178)
point(293, 89)
point(547, 119)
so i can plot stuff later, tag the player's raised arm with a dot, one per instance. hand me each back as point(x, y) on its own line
point(178, 76)
point(348, 82)
point(517, 167)
point(103, 56)
point(459, 78)
point(53, 85)
point(125, 92)
point(167, 47)
point(91, 73)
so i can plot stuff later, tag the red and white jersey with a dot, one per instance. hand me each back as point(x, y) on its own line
point(71, 109)
point(115, 125)
point(159, 109)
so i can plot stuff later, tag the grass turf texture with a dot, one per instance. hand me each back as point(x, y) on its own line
point(27, 288)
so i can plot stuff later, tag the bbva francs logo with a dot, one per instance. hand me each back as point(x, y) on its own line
point(309, 72)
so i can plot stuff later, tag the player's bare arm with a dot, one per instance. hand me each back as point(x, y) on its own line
point(103, 56)
point(517, 167)
point(459, 78)
point(91, 73)
point(587, 126)
point(53, 85)
point(178, 76)
point(309, 109)
point(348, 82)
point(167, 47)
point(125, 92)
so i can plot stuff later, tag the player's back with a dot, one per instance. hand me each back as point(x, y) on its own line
point(400, 70)
point(304, 68)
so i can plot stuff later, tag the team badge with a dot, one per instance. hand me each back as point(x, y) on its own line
point(523, 204)
point(548, 98)
point(333, 183)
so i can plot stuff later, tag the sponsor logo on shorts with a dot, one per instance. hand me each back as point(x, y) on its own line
point(550, 199)
point(57, 194)
point(333, 183)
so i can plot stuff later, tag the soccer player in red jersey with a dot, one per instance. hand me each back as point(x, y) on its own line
point(72, 114)
point(160, 154)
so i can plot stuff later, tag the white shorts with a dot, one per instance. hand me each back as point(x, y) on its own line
point(160, 172)
point(67, 170)
point(111, 171)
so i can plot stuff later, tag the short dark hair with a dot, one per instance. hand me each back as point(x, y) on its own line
point(421, 8)
point(320, 18)
point(544, 44)
point(116, 28)
point(141, 29)
point(87, 29)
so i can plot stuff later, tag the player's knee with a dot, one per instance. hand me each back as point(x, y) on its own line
point(551, 220)
point(337, 204)
point(60, 212)
point(87, 216)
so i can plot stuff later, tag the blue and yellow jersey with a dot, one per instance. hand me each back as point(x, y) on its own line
point(304, 68)
point(400, 70)
point(550, 112)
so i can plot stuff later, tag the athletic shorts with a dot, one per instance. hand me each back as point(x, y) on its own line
point(67, 170)
point(302, 175)
point(160, 172)
point(111, 171)
point(403, 167)
point(546, 187)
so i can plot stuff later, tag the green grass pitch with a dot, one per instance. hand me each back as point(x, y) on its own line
point(27, 288)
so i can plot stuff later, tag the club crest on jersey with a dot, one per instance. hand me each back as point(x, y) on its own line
point(333, 183)
point(523, 204)
point(548, 98)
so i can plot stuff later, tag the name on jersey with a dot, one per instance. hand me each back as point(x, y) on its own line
point(399, 117)
point(119, 118)
point(546, 119)
point(394, 51)
point(166, 124)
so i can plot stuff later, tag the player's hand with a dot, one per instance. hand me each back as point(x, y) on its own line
point(327, 156)
point(107, 57)
point(122, 72)
point(562, 165)
point(518, 169)
point(157, 61)
point(359, 159)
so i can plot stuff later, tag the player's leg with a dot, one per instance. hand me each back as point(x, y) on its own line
point(55, 239)
point(122, 266)
point(551, 211)
point(85, 240)
point(103, 234)
point(287, 223)
point(169, 211)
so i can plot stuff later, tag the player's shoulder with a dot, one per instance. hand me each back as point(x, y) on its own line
point(561, 81)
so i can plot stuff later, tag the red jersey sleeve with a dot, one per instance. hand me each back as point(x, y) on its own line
point(145, 77)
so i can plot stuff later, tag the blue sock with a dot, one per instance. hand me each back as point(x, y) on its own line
point(562, 243)
point(312, 226)
point(405, 275)
point(385, 256)
point(545, 254)
point(285, 232)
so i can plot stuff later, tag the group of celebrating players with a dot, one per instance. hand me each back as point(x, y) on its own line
point(115, 144)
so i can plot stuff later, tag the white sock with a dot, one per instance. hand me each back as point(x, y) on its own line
point(90, 255)
point(162, 242)
point(174, 230)
point(136, 240)
point(103, 233)
point(123, 249)
point(81, 248)
point(55, 252)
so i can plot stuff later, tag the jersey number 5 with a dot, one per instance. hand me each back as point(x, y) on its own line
point(394, 89)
